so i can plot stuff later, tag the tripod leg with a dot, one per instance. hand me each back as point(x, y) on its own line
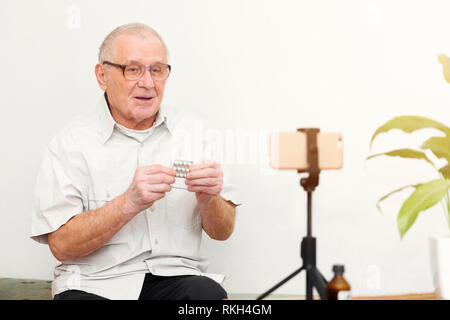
point(319, 282)
point(275, 287)
point(308, 254)
point(309, 284)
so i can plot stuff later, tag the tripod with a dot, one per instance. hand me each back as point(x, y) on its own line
point(314, 279)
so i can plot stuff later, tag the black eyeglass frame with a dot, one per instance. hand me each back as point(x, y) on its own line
point(123, 66)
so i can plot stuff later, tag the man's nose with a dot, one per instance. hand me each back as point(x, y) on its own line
point(146, 80)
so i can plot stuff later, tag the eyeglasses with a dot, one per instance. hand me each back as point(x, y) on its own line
point(135, 70)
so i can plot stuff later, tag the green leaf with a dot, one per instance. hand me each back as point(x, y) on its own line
point(425, 196)
point(440, 146)
point(392, 192)
point(409, 124)
point(445, 170)
point(404, 153)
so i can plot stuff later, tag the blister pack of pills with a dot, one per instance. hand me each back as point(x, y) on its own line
point(182, 168)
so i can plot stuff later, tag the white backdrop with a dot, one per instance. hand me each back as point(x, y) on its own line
point(248, 67)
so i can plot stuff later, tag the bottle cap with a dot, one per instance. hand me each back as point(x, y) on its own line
point(338, 268)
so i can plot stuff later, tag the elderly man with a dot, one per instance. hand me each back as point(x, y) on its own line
point(105, 198)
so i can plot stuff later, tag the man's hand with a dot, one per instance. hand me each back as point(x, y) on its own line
point(90, 230)
point(150, 183)
point(205, 179)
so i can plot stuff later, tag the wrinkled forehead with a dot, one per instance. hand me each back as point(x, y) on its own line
point(146, 49)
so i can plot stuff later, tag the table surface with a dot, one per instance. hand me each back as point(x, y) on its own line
point(411, 296)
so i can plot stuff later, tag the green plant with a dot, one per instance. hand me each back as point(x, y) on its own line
point(428, 194)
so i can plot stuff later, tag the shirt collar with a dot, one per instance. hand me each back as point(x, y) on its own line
point(107, 122)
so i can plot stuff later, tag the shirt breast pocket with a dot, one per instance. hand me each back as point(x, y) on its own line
point(100, 195)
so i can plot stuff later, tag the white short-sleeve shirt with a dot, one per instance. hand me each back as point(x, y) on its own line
point(91, 161)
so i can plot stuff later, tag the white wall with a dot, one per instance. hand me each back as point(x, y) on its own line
point(248, 67)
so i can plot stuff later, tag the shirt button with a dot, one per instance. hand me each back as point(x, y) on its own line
point(152, 208)
point(156, 241)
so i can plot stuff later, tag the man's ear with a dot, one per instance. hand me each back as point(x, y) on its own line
point(100, 74)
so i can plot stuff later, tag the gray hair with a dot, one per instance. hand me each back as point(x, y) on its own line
point(107, 50)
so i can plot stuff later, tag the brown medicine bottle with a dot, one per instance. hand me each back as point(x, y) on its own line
point(338, 288)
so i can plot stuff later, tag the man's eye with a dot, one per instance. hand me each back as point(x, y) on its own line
point(133, 69)
point(156, 70)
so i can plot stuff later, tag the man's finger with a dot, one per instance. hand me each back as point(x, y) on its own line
point(157, 168)
point(207, 182)
point(203, 165)
point(159, 188)
point(159, 178)
point(203, 173)
point(207, 190)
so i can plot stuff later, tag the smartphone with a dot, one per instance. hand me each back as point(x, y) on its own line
point(288, 150)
